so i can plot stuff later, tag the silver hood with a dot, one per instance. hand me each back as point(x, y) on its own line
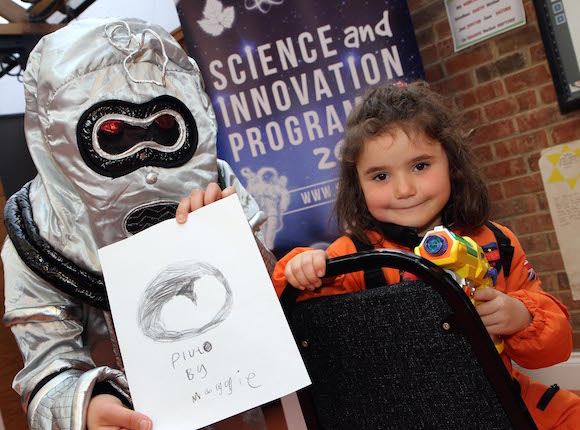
point(78, 208)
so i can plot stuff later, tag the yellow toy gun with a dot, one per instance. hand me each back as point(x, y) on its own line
point(462, 258)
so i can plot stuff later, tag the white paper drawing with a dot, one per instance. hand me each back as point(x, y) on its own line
point(216, 17)
point(271, 192)
point(200, 329)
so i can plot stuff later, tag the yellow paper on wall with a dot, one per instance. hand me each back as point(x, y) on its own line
point(560, 169)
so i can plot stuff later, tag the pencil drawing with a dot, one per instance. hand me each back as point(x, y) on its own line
point(177, 280)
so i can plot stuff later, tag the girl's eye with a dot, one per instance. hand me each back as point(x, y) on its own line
point(380, 177)
point(421, 166)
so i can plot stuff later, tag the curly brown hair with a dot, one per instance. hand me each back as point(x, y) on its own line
point(410, 107)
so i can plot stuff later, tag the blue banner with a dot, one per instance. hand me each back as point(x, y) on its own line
point(282, 76)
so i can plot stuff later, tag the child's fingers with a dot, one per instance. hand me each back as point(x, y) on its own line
point(196, 199)
point(182, 210)
point(213, 193)
point(306, 270)
point(491, 320)
point(107, 411)
point(494, 330)
point(484, 308)
point(290, 278)
point(485, 294)
point(131, 420)
point(319, 263)
point(228, 191)
point(189, 204)
point(291, 271)
point(199, 198)
point(301, 276)
point(300, 273)
point(310, 272)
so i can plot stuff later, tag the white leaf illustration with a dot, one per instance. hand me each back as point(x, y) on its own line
point(228, 16)
point(216, 18)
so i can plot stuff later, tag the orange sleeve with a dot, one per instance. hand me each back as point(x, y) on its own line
point(340, 285)
point(548, 339)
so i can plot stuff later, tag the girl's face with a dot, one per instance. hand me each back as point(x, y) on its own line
point(405, 178)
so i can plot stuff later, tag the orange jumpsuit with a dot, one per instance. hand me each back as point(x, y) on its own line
point(545, 342)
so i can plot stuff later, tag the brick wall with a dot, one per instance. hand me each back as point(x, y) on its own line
point(504, 88)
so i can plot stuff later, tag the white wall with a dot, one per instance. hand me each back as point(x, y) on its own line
point(566, 375)
point(161, 12)
point(11, 95)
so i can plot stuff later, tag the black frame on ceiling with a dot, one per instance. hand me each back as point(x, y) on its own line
point(14, 48)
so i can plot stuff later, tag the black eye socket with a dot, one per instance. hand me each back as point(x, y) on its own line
point(165, 122)
point(112, 127)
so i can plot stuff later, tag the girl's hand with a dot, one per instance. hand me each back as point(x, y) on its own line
point(305, 270)
point(199, 198)
point(106, 412)
point(500, 313)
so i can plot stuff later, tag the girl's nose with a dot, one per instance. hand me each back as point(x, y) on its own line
point(404, 188)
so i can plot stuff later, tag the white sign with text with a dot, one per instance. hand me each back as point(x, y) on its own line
point(201, 332)
point(472, 21)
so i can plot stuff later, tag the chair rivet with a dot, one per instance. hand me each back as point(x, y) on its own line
point(304, 344)
point(446, 326)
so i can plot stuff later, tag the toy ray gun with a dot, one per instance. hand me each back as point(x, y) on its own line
point(462, 258)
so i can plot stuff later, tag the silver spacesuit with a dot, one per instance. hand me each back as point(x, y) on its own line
point(120, 129)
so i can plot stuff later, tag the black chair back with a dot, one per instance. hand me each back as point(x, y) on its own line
point(414, 355)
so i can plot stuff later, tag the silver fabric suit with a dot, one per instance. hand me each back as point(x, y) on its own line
point(84, 197)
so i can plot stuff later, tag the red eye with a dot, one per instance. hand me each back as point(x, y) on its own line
point(165, 121)
point(112, 127)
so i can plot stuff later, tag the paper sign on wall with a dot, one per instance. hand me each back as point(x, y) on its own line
point(472, 21)
point(201, 332)
point(560, 168)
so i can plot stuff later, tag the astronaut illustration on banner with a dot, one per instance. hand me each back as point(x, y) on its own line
point(270, 191)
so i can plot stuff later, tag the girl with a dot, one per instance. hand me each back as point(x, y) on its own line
point(405, 169)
